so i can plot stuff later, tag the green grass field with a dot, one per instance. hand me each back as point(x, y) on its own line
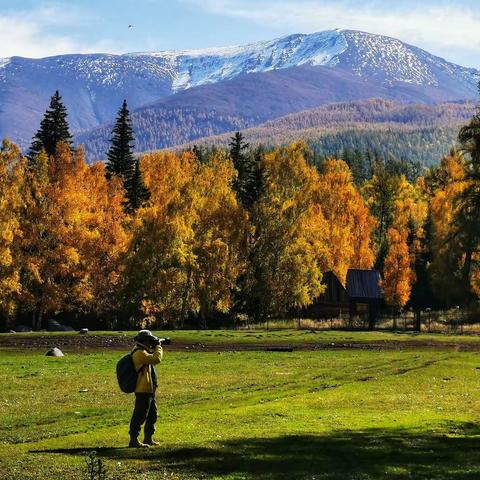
point(346, 413)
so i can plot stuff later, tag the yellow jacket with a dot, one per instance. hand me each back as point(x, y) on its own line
point(145, 361)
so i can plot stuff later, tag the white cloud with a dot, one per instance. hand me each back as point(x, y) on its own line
point(35, 33)
point(438, 28)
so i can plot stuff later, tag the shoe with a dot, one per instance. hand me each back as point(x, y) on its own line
point(135, 443)
point(149, 441)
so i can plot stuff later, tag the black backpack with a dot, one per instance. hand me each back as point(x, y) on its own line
point(126, 374)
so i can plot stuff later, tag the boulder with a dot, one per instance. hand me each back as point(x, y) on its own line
point(54, 352)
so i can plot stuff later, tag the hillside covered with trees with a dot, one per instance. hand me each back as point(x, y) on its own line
point(419, 132)
point(415, 132)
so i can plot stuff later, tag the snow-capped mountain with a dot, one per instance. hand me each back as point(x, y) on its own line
point(199, 67)
point(93, 86)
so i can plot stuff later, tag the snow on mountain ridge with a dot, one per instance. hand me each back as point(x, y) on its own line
point(214, 65)
point(373, 53)
point(374, 56)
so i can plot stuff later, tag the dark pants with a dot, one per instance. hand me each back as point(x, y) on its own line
point(145, 411)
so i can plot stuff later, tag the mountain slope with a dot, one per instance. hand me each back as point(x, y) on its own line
point(420, 132)
point(93, 86)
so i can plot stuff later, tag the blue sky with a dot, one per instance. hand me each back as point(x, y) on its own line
point(36, 28)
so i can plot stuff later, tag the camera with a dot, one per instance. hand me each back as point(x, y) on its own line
point(158, 341)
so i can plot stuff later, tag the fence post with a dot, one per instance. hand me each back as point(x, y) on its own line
point(429, 311)
point(459, 318)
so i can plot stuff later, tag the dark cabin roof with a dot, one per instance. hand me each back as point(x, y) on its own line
point(364, 284)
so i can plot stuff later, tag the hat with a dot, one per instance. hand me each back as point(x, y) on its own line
point(144, 336)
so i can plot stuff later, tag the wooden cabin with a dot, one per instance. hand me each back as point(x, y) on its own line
point(360, 296)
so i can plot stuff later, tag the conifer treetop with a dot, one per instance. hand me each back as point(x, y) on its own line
point(53, 129)
point(120, 158)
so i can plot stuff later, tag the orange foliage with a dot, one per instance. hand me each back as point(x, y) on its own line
point(348, 221)
point(73, 235)
point(410, 205)
point(397, 273)
point(12, 173)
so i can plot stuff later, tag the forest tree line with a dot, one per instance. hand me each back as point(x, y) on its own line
point(416, 132)
point(402, 130)
point(205, 235)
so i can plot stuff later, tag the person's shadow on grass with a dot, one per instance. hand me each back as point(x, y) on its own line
point(370, 454)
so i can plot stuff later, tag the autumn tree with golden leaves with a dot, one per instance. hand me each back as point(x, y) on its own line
point(157, 276)
point(12, 174)
point(291, 247)
point(349, 224)
point(185, 254)
point(397, 272)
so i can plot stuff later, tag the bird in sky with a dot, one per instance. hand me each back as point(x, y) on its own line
point(130, 27)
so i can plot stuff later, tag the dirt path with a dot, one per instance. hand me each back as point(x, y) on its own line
point(123, 342)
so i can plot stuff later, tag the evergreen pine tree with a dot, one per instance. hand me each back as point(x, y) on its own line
point(249, 190)
point(137, 193)
point(120, 159)
point(466, 220)
point(256, 174)
point(53, 129)
point(248, 165)
point(122, 163)
point(237, 146)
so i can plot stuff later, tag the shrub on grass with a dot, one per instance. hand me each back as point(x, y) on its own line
point(95, 468)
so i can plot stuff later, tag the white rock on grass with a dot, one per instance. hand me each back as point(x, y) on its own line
point(54, 352)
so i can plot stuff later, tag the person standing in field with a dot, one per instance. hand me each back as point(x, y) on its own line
point(146, 354)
